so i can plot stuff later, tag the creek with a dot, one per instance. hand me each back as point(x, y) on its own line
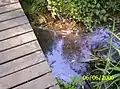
point(68, 56)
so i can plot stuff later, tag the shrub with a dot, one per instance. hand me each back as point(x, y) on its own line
point(34, 9)
point(74, 84)
point(89, 12)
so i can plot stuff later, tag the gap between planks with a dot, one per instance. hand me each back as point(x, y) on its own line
point(21, 63)
point(39, 83)
point(14, 22)
point(11, 15)
point(19, 51)
point(16, 41)
point(16, 31)
point(7, 2)
point(10, 7)
point(24, 75)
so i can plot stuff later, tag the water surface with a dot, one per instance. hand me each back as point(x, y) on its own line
point(68, 56)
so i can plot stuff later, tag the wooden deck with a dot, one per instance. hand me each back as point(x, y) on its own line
point(22, 63)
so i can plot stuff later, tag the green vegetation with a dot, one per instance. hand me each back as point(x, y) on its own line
point(102, 66)
point(106, 67)
point(91, 13)
point(71, 85)
point(34, 10)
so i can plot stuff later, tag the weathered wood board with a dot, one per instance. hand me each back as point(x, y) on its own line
point(22, 62)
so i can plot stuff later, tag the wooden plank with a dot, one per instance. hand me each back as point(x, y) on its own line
point(12, 14)
point(5, 2)
point(9, 7)
point(21, 39)
point(13, 22)
point(55, 87)
point(24, 75)
point(19, 51)
point(15, 31)
point(40, 83)
point(21, 63)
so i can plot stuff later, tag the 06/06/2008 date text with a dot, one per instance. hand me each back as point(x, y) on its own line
point(97, 77)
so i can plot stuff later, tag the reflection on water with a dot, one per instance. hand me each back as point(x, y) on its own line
point(60, 67)
point(59, 57)
point(67, 56)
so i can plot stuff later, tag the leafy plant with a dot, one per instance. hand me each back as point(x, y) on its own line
point(89, 12)
point(75, 82)
point(108, 67)
point(111, 69)
point(34, 9)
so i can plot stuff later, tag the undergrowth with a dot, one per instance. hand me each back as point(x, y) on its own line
point(91, 13)
point(103, 66)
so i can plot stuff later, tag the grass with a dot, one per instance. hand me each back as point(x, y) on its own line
point(104, 67)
